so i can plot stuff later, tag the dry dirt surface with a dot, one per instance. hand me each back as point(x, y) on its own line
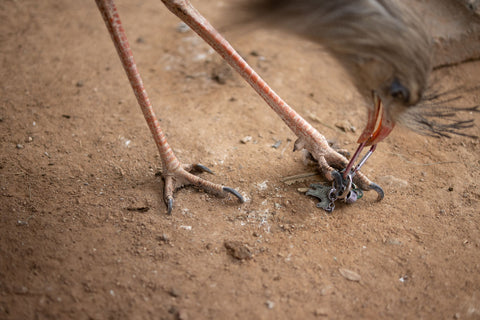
point(83, 227)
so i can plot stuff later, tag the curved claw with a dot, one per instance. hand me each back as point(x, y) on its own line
point(235, 193)
point(169, 205)
point(202, 168)
point(378, 190)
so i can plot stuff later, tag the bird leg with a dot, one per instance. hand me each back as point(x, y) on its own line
point(175, 174)
point(308, 137)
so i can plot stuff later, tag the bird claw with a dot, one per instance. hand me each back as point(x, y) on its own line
point(169, 202)
point(375, 187)
point(235, 193)
point(201, 168)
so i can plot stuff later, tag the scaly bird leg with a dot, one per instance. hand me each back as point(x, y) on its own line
point(174, 173)
point(308, 137)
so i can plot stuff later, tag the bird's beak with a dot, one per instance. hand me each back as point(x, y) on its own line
point(379, 124)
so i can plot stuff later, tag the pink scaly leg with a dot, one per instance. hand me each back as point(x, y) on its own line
point(174, 173)
point(308, 137)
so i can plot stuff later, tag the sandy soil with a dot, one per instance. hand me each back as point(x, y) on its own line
point(83, 229)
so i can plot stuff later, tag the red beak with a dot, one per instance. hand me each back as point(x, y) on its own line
point(379, 124)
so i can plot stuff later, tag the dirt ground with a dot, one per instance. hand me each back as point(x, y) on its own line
point(83, 228)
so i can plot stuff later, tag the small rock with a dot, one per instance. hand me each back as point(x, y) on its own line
point(182, 315)
point(277, 144)
point(79, 84)
point(174, 292)
point(246, 139)
point(163, 238)
point(238, 250)
point(349, 275)
point(19, 146)
point(270, 304)
point(22, 223)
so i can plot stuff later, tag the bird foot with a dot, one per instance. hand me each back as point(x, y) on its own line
point(331, 164)
point(183, 176)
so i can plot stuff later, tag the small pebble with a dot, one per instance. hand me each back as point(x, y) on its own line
point(182, 315)
point(350, 275)
point(174, 292)
point(270, 304)
point(79, 84)
point(246, 139)
point(277, 144)
point(163, 238)
point(22, 223)
point(19, 146)
point(238, 250)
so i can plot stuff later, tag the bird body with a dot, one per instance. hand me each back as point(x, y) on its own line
point(382, 45)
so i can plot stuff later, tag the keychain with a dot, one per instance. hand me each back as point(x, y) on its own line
point(342, 187)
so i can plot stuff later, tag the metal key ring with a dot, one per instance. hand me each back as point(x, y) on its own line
point(347, 189)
